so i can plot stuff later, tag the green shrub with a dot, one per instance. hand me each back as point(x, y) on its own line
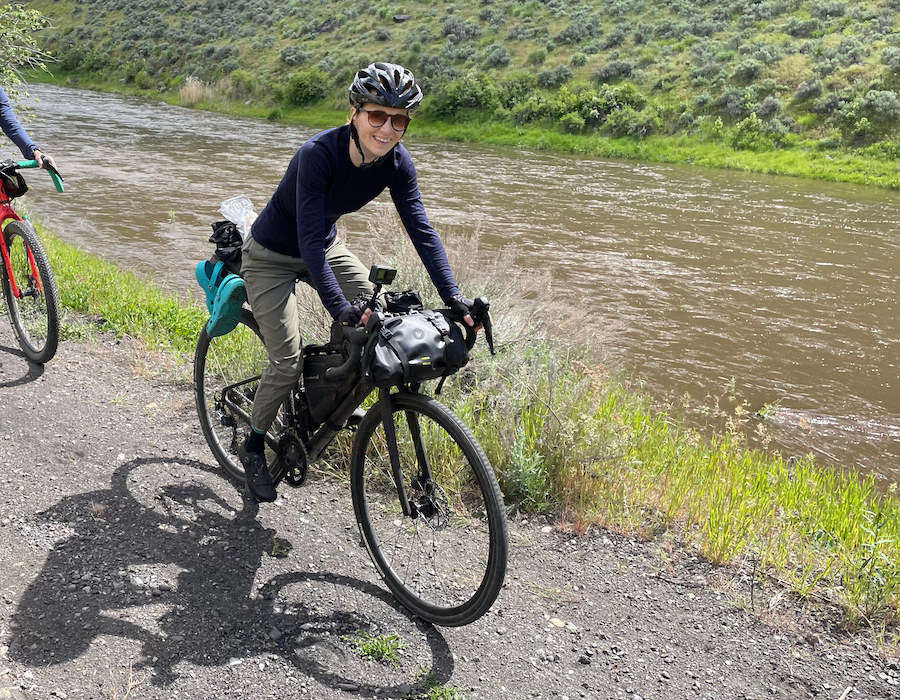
point(295, 56)
point(516, 88)
point(747, 71)
point(144, 81)
point(614, 70)
point(305, 86)
point(572, 123)
point(554, 77)
point(496, 56)
point(751, 134)
point(891, 58)
point(242, 83)
point(631, 122)
point(578, 60)
point(471, 91)
point(882, 105)
point(537, 57)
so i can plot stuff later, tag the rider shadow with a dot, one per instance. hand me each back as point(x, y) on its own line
point(34, 372)
point(168, 557)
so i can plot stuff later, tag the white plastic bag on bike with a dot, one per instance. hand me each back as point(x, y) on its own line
point(239, 211)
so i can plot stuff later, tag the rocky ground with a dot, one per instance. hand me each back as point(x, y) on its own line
point(129, 567)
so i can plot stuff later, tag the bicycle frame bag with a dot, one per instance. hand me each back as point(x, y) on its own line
point(417, 346)
point(324, 395)
point(13, 183)
point(228, 245)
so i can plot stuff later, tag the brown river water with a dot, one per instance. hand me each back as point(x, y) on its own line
point(781, 290)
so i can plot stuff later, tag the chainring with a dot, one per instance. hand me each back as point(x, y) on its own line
point(294, 459)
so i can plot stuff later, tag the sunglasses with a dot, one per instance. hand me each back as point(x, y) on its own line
point(377, 119)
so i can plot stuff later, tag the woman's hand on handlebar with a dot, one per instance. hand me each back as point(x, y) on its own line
point(355, 315)
point(39, 156)
point(462, 307)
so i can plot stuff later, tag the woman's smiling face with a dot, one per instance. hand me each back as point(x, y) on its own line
point(376, 141)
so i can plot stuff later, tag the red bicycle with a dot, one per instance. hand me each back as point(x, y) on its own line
point(28, 284)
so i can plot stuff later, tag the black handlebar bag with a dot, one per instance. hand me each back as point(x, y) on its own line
point(417, 346)
point(13, 184)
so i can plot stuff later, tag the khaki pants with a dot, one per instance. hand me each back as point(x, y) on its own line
point(270, 278)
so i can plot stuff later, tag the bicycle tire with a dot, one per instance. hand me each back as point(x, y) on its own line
point(464, 520)
point(35, 314)
point(224, 361)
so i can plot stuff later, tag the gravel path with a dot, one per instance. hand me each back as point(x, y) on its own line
point(129, 567)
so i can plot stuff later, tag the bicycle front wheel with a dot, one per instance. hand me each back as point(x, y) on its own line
point(447, 560)
point(226, 375)
point(30, 293)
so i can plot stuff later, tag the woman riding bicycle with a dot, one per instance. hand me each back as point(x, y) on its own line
point(19, 136)
point(335, 172)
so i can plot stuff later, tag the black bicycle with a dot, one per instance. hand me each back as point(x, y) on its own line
point(425, 496)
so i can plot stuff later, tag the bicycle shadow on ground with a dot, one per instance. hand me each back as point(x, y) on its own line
point(169, 557)
point(34, 371)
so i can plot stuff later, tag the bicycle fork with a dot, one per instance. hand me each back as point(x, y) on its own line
point(423, 479)
point(10, 274)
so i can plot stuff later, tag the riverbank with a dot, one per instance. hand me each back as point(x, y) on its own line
point(804, 158)
point(568, 440)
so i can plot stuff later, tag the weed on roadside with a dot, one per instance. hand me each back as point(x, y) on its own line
point(379, 647)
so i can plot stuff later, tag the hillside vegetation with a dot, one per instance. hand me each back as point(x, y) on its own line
point(745, 75)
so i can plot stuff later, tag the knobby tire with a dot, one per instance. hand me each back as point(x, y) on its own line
point(35, 315)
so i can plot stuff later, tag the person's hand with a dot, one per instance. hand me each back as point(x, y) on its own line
point(462, 307)
point(355, 315)
point(39, 157)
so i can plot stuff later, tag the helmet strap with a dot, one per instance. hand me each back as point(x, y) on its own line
point(355, 136)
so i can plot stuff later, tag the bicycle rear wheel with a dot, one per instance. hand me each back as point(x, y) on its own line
point(226, 375)
point(34, 313)
point(447, 562)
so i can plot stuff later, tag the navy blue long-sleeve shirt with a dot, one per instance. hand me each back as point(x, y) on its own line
point(320, 185)
point(12, 128)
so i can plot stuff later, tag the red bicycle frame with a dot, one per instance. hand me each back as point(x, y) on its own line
point(7, 213)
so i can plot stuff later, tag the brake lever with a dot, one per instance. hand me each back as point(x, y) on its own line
point(481, 315)
point(49, 166)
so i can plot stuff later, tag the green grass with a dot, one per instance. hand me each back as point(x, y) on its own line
point(121, 301)
point(566, 438)
point(439, 691)
point(379, 647)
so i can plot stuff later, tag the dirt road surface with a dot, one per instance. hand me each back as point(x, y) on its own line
point(131, 568)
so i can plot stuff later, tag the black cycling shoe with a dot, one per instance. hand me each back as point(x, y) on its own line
point(259, 481)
